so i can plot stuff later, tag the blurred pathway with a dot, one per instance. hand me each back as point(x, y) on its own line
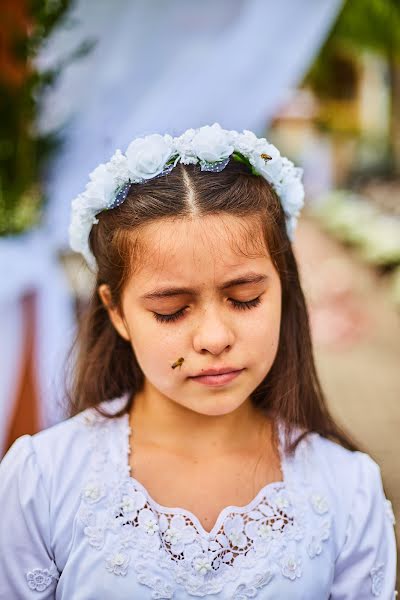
point(356, 334)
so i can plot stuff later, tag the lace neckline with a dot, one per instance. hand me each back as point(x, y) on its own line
point(224, 512)
point(272, 532)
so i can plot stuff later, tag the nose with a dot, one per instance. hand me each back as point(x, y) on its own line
point(214, 332)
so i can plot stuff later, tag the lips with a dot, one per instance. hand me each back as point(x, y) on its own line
point(221, 371)
point(217, 380)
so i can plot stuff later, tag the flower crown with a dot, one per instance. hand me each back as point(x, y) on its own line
point(156, 155)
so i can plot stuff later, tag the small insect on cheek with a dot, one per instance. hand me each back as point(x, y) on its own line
point(177, 363)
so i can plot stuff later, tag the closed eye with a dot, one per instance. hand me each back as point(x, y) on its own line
point(235, 303)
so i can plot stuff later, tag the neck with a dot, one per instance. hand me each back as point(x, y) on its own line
point(162, 422)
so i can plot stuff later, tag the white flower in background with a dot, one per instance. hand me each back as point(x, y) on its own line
point(147, 156)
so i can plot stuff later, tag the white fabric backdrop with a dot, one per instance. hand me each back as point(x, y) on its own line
point(27, 263)
point(156, 67)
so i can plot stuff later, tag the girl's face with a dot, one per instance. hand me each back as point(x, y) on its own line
point(183, 302)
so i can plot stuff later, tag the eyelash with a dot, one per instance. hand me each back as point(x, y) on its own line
point(238, 305)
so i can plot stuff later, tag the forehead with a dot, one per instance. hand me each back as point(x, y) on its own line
point(200, 247)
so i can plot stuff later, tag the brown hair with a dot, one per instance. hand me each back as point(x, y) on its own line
point(106, 366)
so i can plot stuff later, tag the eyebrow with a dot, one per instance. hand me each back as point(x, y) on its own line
point(169, 292)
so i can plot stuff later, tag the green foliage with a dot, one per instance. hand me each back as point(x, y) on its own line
point(243, 159)
point(369, 24)
point(362, 25)
point(23, 152)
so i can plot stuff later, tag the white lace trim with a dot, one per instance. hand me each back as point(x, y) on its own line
point(120, 517)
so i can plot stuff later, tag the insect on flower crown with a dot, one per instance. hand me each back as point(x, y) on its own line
point(156, 155)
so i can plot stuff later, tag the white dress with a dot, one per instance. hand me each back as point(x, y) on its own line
point(75, 525)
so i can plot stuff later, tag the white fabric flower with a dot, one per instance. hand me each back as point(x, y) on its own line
point(100, 188)
point(93, 491)
point(118, 167)
point(132, 502)
point(183, 146)
point(202, 564)
point(233, 528)
point(147, 156)
point(244, 142)
point(325, 529)
point(291, 566)
point(314, 547)
point(148, 521)
point(389, 511)
point(292, 196)
point(282, 501)
point(319, 504)
point(179, 534)
point(265, 531)
point(376, 574)
point(95, 536)
point(291, 223)
point(38, 579)
point(117, 563)
point(270, 168)
point(211, 143)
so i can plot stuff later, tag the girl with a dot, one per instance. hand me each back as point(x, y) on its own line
point(199, 458)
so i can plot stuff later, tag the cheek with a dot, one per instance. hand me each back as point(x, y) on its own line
point(156, 351)
point(262, 337)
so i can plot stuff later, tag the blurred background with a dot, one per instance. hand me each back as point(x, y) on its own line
point(318, 78)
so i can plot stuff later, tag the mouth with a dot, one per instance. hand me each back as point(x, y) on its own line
point(217, 379)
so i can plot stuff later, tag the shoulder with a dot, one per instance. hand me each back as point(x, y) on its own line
point(352, 481)
point(61, 452)
point(362, 519)
point(341, 469)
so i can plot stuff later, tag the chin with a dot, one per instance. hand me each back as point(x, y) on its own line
point(215, 407)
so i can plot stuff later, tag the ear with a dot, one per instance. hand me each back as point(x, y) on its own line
point(113, 312)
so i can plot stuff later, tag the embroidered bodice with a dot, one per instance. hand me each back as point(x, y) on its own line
point(284, 543)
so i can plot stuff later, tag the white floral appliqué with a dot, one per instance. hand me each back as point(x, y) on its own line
point(39, 580)
point(117, 563)
point(389, 511)
point(376, 574)
point(291, 566)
